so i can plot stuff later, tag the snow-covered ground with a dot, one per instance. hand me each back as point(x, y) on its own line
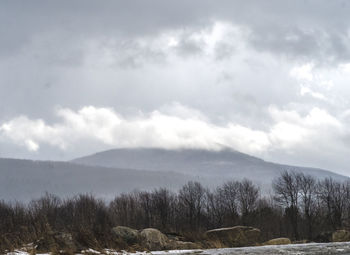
point(297, 249)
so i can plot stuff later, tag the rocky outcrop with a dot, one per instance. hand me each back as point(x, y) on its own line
point(278, 241)
point(341, 236)
point(237, 236)
point(128, 235)
point(152, 239)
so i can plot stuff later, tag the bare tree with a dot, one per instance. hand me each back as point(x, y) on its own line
point(191, 200)
point(123, 210)
point(163, 207)
point(309, 206)
point(333, 196)
point(145, 202)
point(215, 208)
point(248, 195)
point(287, 188)
point(229, 198)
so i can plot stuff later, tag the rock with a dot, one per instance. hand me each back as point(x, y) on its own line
point(128, 235)
point(152, 239)
point(341, 236)
point(278, 241)
point(180, 245)
point(175, 237)
point(237, 236)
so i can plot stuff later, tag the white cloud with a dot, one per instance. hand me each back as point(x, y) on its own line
point(155, 129)
point(30, 133)
point(32, 146)
point(176, 126)
point(307, 91)
point(292, 130)
point(303, 72)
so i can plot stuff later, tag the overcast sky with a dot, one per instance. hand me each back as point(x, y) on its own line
point(268, 78)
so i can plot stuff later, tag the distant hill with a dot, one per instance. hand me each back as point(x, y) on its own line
point(213, 166)
point(109, 173)
point(25, 179)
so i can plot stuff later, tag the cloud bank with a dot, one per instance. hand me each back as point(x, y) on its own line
point(176, 127)
point(266, 78)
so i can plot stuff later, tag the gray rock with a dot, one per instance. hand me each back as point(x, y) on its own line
point(128, 235)
point(152, 239)
point(181, 245)
point(235, 236)
point(278, 241)
point(341, 235)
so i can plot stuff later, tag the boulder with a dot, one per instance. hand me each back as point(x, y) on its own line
point(278, 241)
point(152, 239)
point(341, 236)
point(181, 245)
point(128, 235)
point(237, 236)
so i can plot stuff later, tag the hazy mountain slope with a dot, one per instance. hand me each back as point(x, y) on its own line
point(25, 179)
point(213, 165)
point(112, 172)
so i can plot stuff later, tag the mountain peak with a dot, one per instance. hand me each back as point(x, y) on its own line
point(222, 164)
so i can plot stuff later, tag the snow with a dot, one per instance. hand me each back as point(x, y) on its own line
point(19, 252)
point(292, 249)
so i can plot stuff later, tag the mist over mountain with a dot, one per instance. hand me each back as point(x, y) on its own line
point(23, 180)
point(213, 166)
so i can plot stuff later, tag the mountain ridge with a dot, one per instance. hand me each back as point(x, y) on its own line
point(225, 162)
point(112, 172)
point(23, 179)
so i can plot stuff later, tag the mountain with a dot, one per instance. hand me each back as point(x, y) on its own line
point(23, 180)
point(213, 167)
point(109, 173)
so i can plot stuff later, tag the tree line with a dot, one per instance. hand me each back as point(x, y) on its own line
point(299, 207)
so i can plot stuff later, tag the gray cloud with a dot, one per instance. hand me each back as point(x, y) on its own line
point(315, 29)
point(231, 61)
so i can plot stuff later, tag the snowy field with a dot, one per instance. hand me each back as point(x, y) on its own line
point(297, 249)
